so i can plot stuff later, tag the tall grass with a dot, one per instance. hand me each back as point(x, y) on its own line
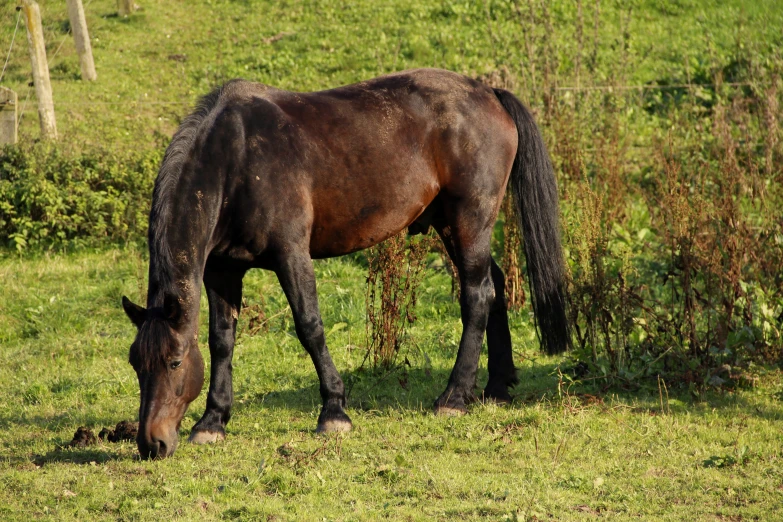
point(672, 205)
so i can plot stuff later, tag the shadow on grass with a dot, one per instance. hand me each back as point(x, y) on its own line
point(68, 455)
point(404, 390)
point(401, 388)
point(415, 389)
point(64, 454)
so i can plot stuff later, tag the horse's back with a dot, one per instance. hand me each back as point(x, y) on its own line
point(348, 167)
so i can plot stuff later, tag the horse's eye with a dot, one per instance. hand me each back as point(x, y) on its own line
point(175, 365)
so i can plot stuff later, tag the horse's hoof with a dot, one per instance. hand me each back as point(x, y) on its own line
point(500, 397)
point(453, 402)
point(333, 419)
point(206, 437)
point(448, 411)
point(334, 426)
point(498, 401)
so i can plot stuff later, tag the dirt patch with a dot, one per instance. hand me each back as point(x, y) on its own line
point(82, 438)
point(123, 431)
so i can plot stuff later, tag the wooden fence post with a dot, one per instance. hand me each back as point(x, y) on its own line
point(43, 88)
point(125, 7)
point(82, 39)
point(7, 116)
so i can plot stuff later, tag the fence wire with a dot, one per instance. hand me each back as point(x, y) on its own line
point(13, 38)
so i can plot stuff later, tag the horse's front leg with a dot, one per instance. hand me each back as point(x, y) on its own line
point(224, 291)
point(295, 272)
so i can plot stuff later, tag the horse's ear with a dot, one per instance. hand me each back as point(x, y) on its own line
point(172, 309)
point(135, 313)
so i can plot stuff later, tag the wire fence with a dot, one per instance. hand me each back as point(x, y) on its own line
point(13, 39)
point(136, 102)
point(645, 87)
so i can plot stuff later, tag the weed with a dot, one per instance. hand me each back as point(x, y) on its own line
point(395, 270)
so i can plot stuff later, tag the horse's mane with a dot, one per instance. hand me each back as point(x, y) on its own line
point(165, 186)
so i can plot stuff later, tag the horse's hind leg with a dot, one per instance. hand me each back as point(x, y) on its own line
point(297, 278)
point(500, 363)
point(224, 292)
point(502, 373)
point(469, 249)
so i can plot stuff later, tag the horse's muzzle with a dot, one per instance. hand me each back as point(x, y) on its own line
point(156, 447)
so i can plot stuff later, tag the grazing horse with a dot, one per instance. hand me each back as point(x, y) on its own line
point(258, 177)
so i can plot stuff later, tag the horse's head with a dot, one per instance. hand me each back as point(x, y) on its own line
point(170, 370)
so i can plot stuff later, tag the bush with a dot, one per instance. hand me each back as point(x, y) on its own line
point(675, 249)
point(50, 198)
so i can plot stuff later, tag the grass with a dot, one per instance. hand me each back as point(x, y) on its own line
point(154, 64)
point(562, 451)
point(556, 453)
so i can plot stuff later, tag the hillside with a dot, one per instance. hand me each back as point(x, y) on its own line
point(153, 65)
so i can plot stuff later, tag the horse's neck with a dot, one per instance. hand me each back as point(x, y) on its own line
point(181, 224)
point(175, 270)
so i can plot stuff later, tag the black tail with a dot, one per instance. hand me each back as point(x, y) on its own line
point(535, 193)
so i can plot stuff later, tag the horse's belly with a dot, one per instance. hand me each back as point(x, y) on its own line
point(341, 226)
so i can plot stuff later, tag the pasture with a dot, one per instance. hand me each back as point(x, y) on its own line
point(556, 453)
point(663, 121)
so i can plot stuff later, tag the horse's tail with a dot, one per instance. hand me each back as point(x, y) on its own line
point(535, 193)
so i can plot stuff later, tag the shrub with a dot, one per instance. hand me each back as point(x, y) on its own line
point(50, 198)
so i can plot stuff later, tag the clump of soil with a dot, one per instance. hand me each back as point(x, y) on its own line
point(123, 431)
point(82, 438)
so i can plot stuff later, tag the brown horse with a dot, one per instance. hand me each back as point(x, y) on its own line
point(260, 177)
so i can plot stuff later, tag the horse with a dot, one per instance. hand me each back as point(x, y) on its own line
point(258, 177)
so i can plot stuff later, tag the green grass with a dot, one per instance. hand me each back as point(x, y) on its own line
point(556, 453)
point(559, 452)
point(153, 65)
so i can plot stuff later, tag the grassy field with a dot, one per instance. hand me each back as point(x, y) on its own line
point(152, 66)
point(562, 450)
point(556, 453)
